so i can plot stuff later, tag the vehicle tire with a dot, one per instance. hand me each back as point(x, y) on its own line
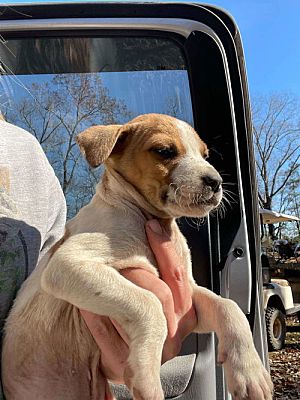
point(276, 328)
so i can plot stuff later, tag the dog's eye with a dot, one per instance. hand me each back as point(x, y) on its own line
point(206, 156)
point(165, 152)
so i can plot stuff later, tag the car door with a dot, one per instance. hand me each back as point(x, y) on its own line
point(67, 66)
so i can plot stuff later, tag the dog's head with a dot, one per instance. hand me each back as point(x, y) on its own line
point(163, 158)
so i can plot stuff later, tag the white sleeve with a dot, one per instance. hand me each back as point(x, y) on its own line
point(56, 216)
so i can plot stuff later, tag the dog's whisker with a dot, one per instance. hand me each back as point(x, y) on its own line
point(229, 200)
point(229, 184)
point(229, 193)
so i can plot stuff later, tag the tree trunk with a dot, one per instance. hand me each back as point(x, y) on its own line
point(268, 206)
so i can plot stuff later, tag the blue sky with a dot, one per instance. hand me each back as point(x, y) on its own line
point(270, 31)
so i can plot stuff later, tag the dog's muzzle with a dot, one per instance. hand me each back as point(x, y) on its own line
point(213, 181)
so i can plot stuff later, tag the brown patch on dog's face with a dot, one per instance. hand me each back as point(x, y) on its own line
point(148, 155)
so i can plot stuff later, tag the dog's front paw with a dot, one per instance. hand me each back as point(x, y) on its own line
point(246, 377)
point(143, 385)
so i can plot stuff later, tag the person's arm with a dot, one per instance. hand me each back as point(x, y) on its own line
point(32, 210)
point(174, 275)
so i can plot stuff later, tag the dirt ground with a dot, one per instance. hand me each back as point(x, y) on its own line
point(285, 365)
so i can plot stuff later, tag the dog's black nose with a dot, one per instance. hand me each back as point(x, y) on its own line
point(214, 181)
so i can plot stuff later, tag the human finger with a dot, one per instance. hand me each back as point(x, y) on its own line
point(114, 350)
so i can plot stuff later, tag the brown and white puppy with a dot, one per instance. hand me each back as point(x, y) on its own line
point(155, 167)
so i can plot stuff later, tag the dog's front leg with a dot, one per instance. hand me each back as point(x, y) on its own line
point(245, 375)
point(92, 286)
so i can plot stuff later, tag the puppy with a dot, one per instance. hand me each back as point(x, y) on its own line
point(155, 168)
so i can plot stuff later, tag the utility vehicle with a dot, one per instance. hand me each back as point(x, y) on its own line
point(278, 296)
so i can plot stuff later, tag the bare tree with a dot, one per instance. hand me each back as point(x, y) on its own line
point(277, 144)
point(289, 204)
point(178, 108)
point(55, 113)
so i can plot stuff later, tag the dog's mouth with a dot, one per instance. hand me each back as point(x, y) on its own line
point(194, 200)
point(187, 199)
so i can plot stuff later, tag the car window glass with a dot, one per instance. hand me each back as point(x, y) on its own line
point(55, 87)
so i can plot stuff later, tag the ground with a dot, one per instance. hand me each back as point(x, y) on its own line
point(285, 365)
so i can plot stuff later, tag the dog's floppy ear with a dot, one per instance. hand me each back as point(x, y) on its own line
point(97, 142)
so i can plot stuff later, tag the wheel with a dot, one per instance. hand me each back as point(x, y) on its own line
point(276, 328)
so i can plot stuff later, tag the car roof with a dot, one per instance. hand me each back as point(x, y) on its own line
point(37, 2)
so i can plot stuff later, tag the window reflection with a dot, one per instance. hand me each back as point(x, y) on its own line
point(64, 85)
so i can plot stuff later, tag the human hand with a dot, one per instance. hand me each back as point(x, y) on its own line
point(174, 293)
point(177, 301)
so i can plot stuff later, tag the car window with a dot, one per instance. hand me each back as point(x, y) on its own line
point(55, 87)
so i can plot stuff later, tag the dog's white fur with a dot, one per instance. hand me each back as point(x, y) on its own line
point(48, 352)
